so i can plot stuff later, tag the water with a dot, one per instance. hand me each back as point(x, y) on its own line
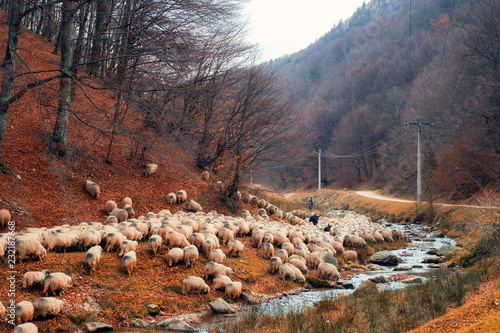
point(412, 255)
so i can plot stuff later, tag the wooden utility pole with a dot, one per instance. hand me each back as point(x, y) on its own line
point(319, 169)
point(419, 125)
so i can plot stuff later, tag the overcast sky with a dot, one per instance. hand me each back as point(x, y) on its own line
point(282, 27)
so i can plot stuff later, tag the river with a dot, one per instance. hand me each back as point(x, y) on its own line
point(422, 240)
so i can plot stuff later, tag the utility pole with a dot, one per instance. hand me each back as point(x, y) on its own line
point(319, 169)
point(419, 125)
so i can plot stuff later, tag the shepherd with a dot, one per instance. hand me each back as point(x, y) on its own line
point(310, 201)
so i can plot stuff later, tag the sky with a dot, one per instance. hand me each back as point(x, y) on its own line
point(281, 27)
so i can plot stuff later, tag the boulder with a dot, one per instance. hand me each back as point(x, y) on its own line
point(445, 249)
point(173, 324)
point(413, 279)
point(366, 288)
point(384, 258)
point(221, 306)
point(249, 298)
point(153, 309)
point(138, 323)
point(379, 279)
point(98, 327)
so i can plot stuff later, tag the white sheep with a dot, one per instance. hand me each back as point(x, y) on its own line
point(288, 247)
point(29, 248)
point(205, 175)
point(131, 233)
point(193, 206)
point(154, 243)
point(120, 214)
point(225, 235)
point(130, 210)
point(110, 205)
point(175, 256)
point(301, 265)
point(150, 169)
point(351, 255)
point(286, 272)
point(220, 281)
point(329, 271)
point(25, 328)
point(4, 217)
point(208, 246)
point(191, 255)
point(181, 196)
point(126, 201)
point(267, 250)
point(114, 240)
point(89, 238)
point(127, 246)
point(129, 262)
point(194, 284)
point(171, 198)
point(47, 306)
point(24, 312)
point(56, 283)
point(93, 257)
point(197, 239)
point(34, 279)
point(217, 255)
point(234, 248)
point(274, 264)
point(233, 290)
point(175, 239)
point(213, 269)
point(93, 189)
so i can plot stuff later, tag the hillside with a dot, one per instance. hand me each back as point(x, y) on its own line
point(43, 190)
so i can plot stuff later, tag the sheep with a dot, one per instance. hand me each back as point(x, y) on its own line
point(110, 220)
point(175, 239)
point(298, 276)
point(59, 241)
point(142, 227)
point(220, 186)
point(29, 248)
point(25, 328)
point(186, 230)
point(213, 269)
point(4, 217)
point(114, 240)
point(193, 206)
point(150, 169)
point(120, 214)
point(245, 213)
point(328, 271)
point(216, 255)
point(257, 238)
point(338, 247)
point(181, 196)
point(234, 248)
point(197, 239)
point(171, 198)
point(301, 265)
point(34, 279)
point(225, 235)
point(89, 238)
point(267, 250)
point(47, 306)
point(233, 290)
point(205, 175)
point(301, 251)
point(127, 245)
point(282, 254)
point(131, 233)
point(175, 256)
point(351, 255)
point(154, 243)
point(93, 257)
point(56, 283)
point(194, 284)
point(126, 201)
point(268, 238)
point(110, 205)
point(288, 247)
point(274, 264)
point(129, 209)
point(24, 312)
point(209, 245)
point(191, 254)
point(313, 259)
point(220, 281)
point(93, 189)
point(129, 262)
point(286, 272)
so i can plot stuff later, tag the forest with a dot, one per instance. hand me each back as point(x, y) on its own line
point(177, 72)
point(180, 72)
point(359, 88)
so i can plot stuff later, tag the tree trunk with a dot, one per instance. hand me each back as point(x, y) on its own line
point(101, 22)
point(9, 65)
point(60, 134)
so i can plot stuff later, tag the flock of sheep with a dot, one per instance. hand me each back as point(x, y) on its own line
point(292, 245)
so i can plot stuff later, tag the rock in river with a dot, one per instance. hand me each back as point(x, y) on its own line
point(384, 258)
